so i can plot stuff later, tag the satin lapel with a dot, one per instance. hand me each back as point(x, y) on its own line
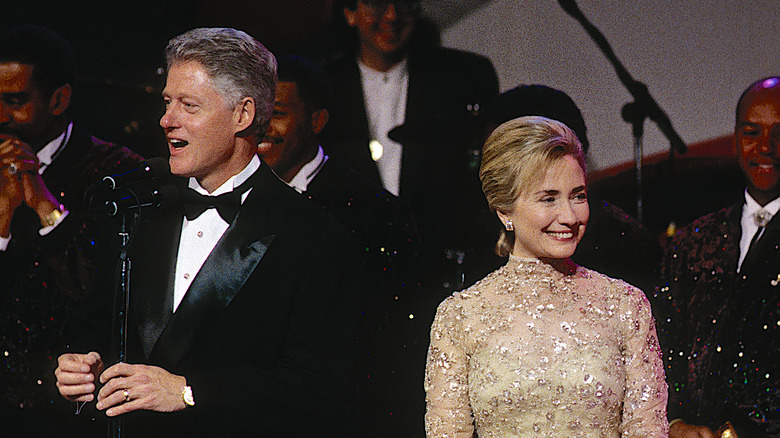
point(152, 299)
point(222, 276)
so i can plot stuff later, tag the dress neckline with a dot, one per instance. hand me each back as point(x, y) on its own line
point(560, 268)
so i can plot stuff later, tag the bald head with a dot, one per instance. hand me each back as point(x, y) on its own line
point(757, 138)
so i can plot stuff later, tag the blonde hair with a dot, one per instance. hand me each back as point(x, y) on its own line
point(516, 154)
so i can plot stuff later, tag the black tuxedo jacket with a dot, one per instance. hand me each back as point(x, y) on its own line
point(439, 136)
point(264, 335)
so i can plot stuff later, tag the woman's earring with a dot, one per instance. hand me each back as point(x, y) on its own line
point(510, 226)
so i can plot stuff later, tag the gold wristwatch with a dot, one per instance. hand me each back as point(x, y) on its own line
point(52, 218)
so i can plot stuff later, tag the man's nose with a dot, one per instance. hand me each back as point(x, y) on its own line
point(390, 13)
point(168, 120)
point(767, 144)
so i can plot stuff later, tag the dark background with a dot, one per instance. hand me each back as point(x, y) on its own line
point(119, 51)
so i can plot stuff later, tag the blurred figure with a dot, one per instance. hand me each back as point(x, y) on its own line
point(401, 116)
point(721, 276)
point(615, 244)
point(542, 346)
point(380, 224)
point(50, 251)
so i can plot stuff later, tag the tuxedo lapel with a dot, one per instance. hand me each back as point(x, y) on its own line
point(152, 292)
point(223, 274)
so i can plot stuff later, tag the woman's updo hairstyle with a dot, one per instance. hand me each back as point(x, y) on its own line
point(516, 155)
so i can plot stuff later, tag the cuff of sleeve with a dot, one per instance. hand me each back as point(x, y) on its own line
point(4, 241)
point(48, 229)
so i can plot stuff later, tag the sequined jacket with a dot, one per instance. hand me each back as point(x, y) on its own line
point(43, 278)
point(720, 328)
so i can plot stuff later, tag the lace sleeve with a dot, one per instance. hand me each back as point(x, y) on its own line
point(644, 404)
point(446, 377)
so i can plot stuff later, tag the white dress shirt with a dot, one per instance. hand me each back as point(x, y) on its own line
point(385, 99)
point(200, 235)
point(748, 223)
point(301, 180)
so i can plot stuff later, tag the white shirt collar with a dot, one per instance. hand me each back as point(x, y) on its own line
point(232, 182)
point(751, 206)
point(301, 180)
point(394, 74)
point(48, 153)
point(748, 224)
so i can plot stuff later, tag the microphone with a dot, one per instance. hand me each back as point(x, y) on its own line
point(144, 186)
point(128, 198)
point(147, 172)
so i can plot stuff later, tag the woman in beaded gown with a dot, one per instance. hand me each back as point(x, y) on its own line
point(542, 347)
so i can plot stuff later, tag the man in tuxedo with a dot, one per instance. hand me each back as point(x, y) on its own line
point(721, 277)
point(241, 311)
point(50, 249)
point(381, 225)
point(403, 117)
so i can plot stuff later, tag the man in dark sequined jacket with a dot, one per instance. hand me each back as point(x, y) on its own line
point(722, 288)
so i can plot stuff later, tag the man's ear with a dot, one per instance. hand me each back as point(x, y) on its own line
point(244, 114)
point(60, 100)
point(351, 16)
point(319, 119)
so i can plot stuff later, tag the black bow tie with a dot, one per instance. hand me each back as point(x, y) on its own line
point(227, 204)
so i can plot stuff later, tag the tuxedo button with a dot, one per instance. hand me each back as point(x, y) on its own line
point(200, 233)
point(187, 276)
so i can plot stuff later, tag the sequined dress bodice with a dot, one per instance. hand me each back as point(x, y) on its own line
point(533, 352)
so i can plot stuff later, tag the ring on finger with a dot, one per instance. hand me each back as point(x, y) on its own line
point(127, 395)
point(12, 169)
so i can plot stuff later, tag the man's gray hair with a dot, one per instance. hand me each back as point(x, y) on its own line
point(239, 66)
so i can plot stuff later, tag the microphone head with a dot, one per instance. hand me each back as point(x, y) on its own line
point(166, 195)
point(159, 167)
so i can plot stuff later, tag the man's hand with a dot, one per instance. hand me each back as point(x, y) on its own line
point(681, 429)
point(11, 192)
point(77, 374)
point(20, 163)
point(130, 388)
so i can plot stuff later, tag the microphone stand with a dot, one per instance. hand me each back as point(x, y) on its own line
point(644, 105)
point(121, 305)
